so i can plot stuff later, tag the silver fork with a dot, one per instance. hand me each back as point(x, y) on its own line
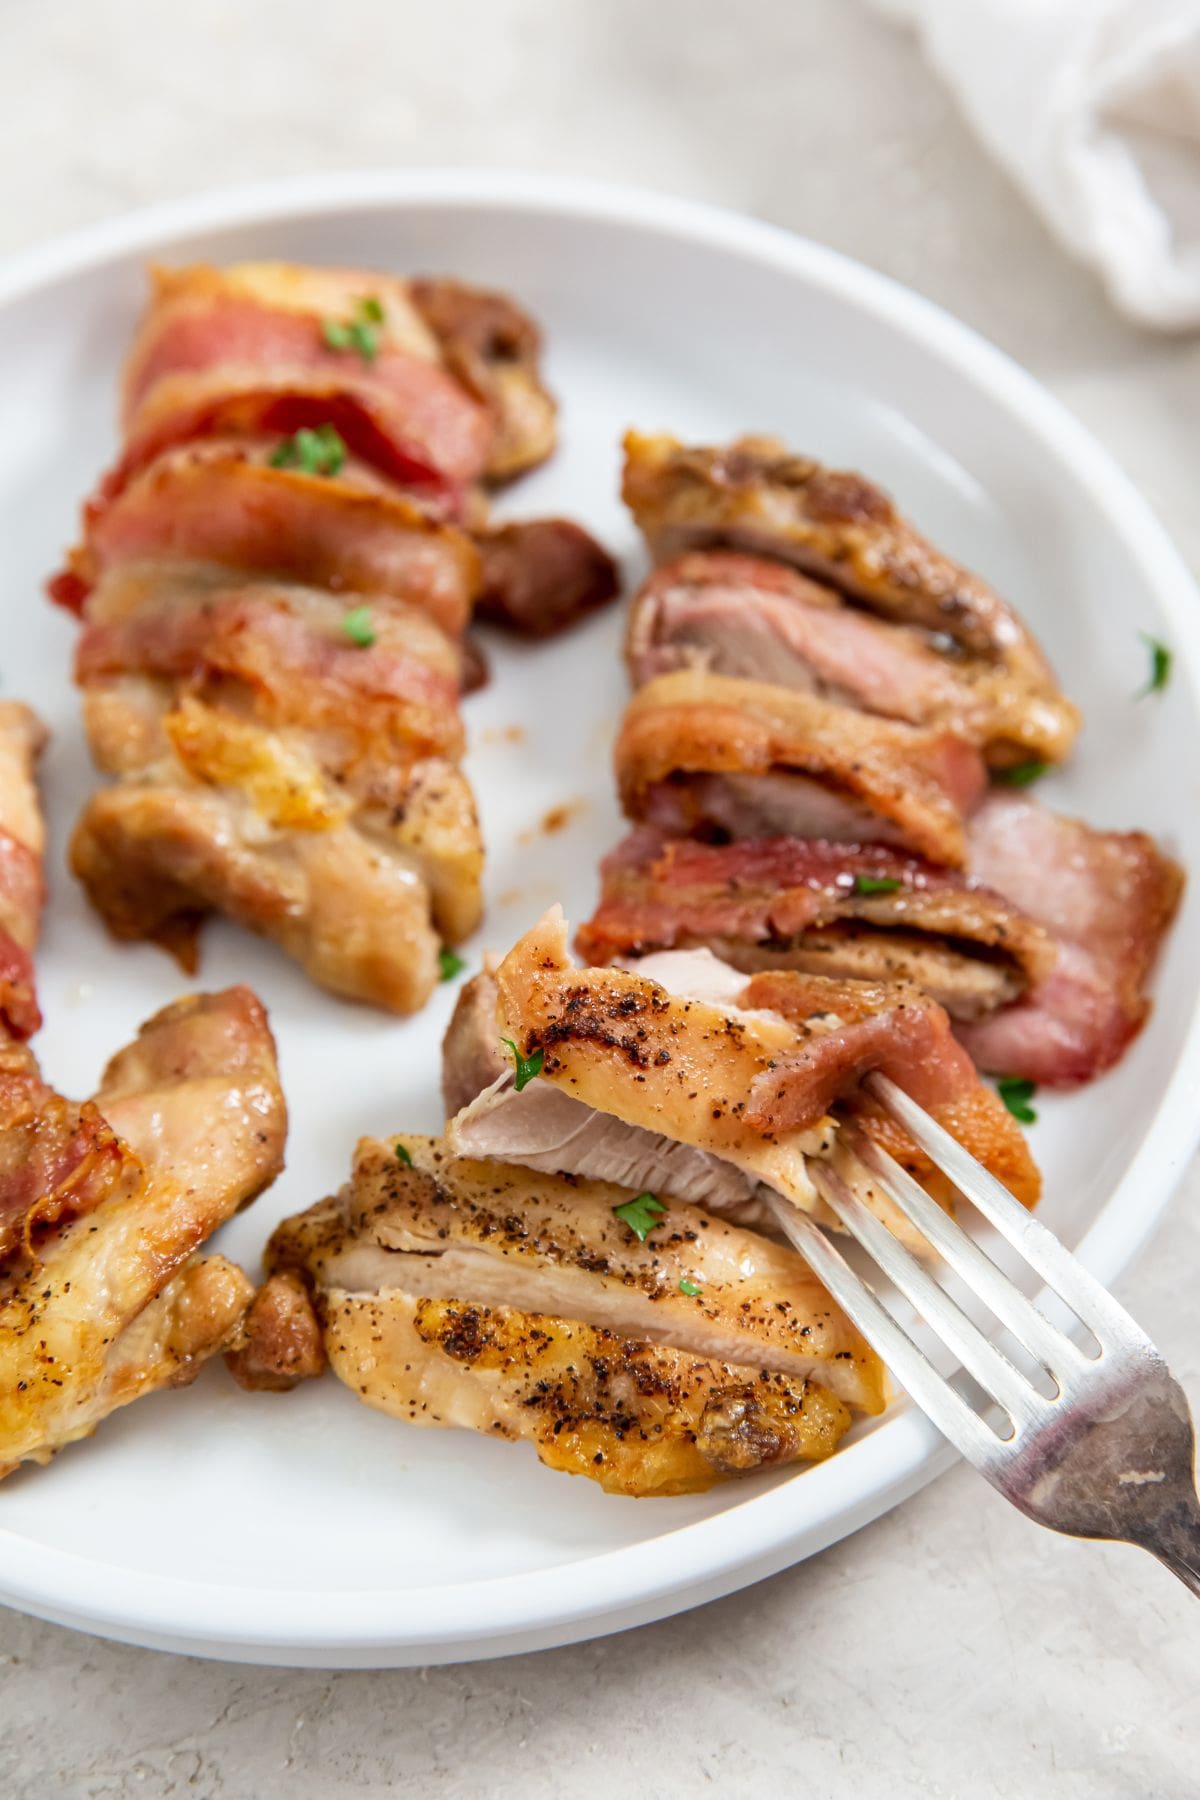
point(1111, 1454)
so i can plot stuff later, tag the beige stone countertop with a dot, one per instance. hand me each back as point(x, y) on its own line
point(951, 1649)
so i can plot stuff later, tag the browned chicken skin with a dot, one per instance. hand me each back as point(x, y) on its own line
point(835, 525)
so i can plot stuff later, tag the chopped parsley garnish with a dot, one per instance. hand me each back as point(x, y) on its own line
point(318, 452)
point(641, 1215)
point(528, 1068)
point(359, 333)
point(358, 627)
point(1022, 774)
point(1016, 1094)
point(1160, 666)
point(450, 963)
point(404, 1155)
point(875, 884)
point(689, 1287)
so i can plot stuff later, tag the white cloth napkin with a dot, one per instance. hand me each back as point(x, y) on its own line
point(1094, 107)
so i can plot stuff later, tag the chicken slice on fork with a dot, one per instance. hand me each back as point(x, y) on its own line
point(655, 1356)
point(685, 1077)
point(103, 1295)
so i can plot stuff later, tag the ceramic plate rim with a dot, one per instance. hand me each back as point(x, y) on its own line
point(714, 1555)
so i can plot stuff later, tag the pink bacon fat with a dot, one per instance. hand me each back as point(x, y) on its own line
point(22, 885)
point(1107, 898)
point(270, 415)
point(288, 647)
point(210, 333)
point(213, 503)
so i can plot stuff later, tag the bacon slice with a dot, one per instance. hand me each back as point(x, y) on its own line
point(759, 620)
point(257, 420)
point(286, 653)
point(755, 495)
point(215, 504)
point(58, 1160)
point(468, 1293)
point(103, 1297)
point(22, 886)
point(1106, 898)
point(210, 335)
point(709, 753)
point(843, 910)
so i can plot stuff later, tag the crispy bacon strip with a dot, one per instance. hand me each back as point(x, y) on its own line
point(210, 334)
point(746, 616)
point(285, 650)
point(1107, 899)
point(816, 907)
point(265, 416)
point(214, 504)
point(744, 759)
point(58, 1160)
point(755, 495)
point(22, 885)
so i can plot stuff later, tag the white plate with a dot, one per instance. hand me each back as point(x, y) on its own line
point(305, 1528)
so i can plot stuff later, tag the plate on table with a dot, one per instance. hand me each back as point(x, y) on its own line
point(305, 1528)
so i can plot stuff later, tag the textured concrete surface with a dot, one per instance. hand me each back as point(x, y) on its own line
point(951, 1649)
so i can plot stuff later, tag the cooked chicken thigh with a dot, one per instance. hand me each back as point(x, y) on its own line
point(102, 1294)
point(656, 1361)
point(835, 525)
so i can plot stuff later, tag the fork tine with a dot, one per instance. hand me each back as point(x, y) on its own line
point(1052, 1347)
point(1056, 1265)
point(990, 1367)
point(949, 1411)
